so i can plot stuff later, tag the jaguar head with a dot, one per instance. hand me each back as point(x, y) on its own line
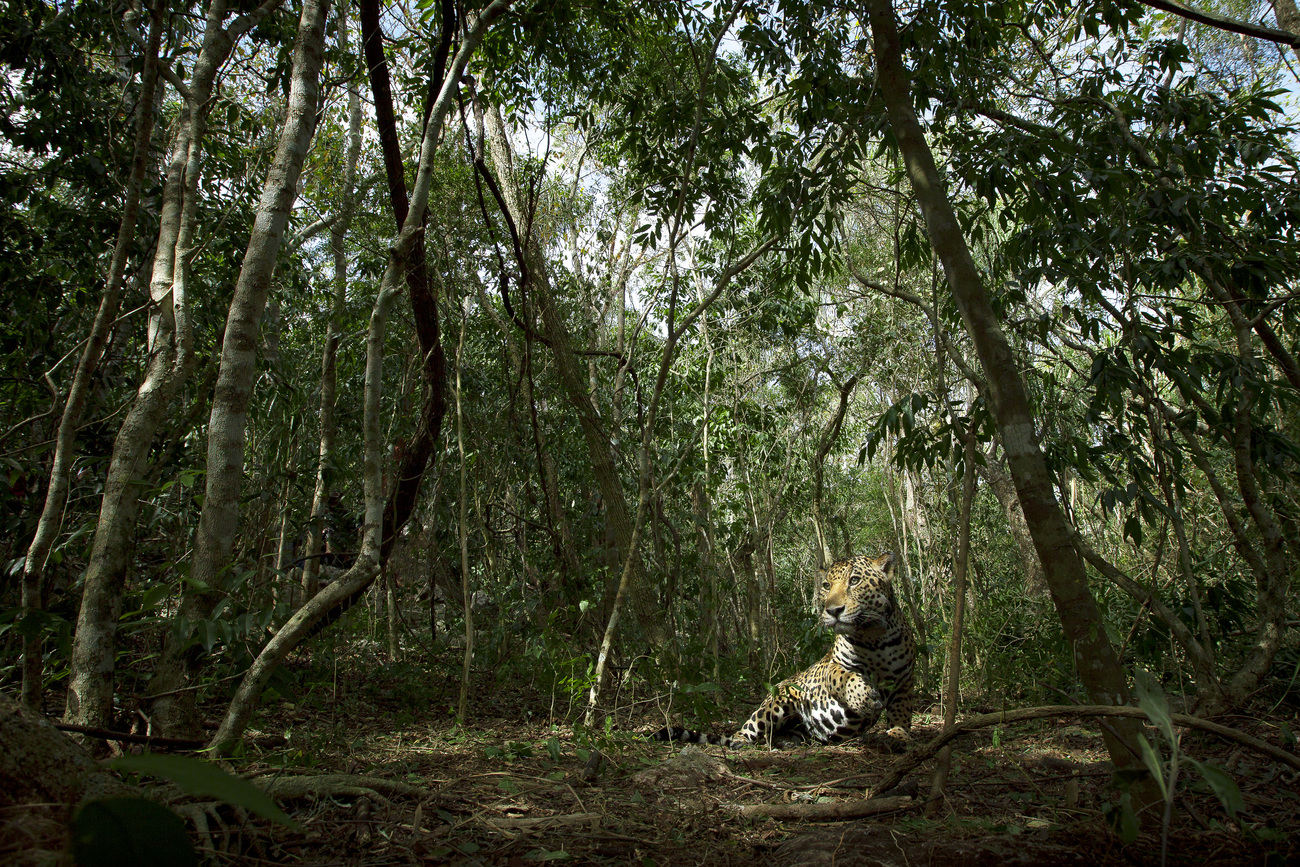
point(858, 594)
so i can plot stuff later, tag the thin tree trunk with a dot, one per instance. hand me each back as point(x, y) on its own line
point(170, 359)
point(334, 596)
point(424, 302)
point(557, 523)
point(830, 433)
point(56, 495)
point(333, 334)
point(394, 617)
point(1099, 668)
point(466, 592)
point(1005, 491)
point(600, 449)
point(219, 520)
point(952, 688)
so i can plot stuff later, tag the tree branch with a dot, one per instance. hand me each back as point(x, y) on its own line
point(1232, 25)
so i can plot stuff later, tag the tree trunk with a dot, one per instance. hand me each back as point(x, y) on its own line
point(334, 597)
point(548, 478)
point(466, 591)
point(830, 433)
point(41, 765)
point(219, 520)
point(1099, 668)
point(90, 680)
point(1005, 490)
point(56, 495)
point(952, 685)
point(600, 448)
point(329, 355)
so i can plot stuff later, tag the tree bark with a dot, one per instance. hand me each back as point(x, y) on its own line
point(170, 359)
point(424, 302)
point(462, 525)
point(1098, 666)
point(219, 520)
point(830, 433)
point(1005, 491)
point(56, 495)
point(41, 765)
point(601, 452)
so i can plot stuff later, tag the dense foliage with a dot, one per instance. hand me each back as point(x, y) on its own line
point(716, 302)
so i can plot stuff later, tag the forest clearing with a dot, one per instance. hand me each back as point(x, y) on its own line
point(414, 414)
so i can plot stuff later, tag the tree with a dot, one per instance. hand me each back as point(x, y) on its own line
point(219, 520)
point(171, 358)
point(1098, 666)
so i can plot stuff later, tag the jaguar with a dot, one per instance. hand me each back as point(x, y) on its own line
point(868, 669)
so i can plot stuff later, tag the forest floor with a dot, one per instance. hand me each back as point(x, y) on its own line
point(387, 777)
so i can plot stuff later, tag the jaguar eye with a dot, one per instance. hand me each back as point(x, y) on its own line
point(826, 585)
point(854, 580)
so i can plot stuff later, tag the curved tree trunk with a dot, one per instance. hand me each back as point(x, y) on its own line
point(1098, 666)
point(219, 520)
point(335, 596)
point(1005, 491)
point(41, 765)
point(830, 433)
point(56, 495)
point(601, 452)
point(90, 681)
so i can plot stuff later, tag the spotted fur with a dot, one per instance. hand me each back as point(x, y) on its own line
point(868, 669)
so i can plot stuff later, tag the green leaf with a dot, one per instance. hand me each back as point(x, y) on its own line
point(130, 832)
point(1151, 699)
point(1154, 764)
point(204, 779)
point(153, 596)
point(547, 855)
point(1223, 786)
point(1124, 819)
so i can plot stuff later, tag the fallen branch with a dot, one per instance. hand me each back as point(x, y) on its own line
point(128, 738)
point(284, 788)
point(541, 823)
point(855, 809)
point(917, 755)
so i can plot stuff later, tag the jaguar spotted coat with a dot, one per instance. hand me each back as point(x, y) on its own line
point(868, 668)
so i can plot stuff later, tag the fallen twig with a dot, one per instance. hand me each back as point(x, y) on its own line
point(519, 823)
point(854, 809)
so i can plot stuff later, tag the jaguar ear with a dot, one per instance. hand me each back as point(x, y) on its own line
point(886, 563)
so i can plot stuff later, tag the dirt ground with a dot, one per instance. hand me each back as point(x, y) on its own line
point(384, 775)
